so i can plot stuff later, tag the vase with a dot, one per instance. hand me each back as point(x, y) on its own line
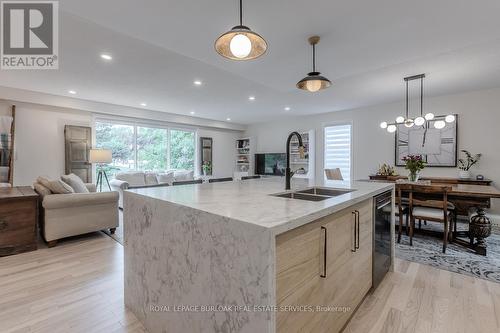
point(464, 174)
point(413, 176)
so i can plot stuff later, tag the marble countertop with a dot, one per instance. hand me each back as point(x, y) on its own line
point(250, 201)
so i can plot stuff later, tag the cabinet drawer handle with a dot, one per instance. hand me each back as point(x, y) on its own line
point(323, 275)
point(355, 232)
point(358, 228)
point(3, 224)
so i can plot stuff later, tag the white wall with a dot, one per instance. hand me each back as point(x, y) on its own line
point(39, 141)
point(478, 131)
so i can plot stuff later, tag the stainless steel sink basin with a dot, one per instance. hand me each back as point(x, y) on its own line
point(330, 192)
point(301, 196)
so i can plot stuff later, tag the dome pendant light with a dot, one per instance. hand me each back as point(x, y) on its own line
point(240, 43)
point(314, 81)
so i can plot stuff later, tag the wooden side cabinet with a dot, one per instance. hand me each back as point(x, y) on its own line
point(18, 220)
point(324, 270)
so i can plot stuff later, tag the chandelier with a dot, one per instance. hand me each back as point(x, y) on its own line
point(439, 122)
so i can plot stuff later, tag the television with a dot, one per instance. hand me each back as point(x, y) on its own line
point(271, 164)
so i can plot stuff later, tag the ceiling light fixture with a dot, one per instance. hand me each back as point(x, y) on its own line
point(192, 112)
point(240, 43)
point(228, 119)
point(424, 121)
point(106, 56)
point(314, 81)
point(197, 83)
point(143, 104)
point(251, 98)
point(72, 92)
point(287, 108)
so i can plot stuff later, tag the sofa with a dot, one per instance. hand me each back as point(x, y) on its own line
point(142, 179)
point(71, 214)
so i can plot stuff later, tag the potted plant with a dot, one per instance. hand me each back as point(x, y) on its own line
point(414, 164)
point(467, 163)
point(386, 170)
point(207, 168)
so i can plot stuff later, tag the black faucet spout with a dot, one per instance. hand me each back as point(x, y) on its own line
point(288, 171)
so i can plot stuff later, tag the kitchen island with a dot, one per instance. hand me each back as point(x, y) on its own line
point(232, 257)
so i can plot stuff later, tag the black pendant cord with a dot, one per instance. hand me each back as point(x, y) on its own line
point(314, 58)
point(421, 96)
point(241, 12)
point(406, 99)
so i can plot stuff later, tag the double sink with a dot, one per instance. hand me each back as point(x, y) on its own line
point(313, 193)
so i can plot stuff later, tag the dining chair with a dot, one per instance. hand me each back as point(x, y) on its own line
point(187, 182)
point(220, 180)
point(402, 210)
point(250, 177)
point(430, 203)
point(333, 174)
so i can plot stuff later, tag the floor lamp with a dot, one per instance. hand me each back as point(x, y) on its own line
point(100, 157)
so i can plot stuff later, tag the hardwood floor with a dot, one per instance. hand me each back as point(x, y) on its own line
point(77, 286)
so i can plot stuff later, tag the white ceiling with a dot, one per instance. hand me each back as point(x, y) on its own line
point(160, 47)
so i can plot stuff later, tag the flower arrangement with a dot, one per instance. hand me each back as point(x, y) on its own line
point(207, 168)
point(469, 161)
point(414, 164)
point(386, 170)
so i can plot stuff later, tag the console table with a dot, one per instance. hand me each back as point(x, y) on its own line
point(439, 180)
point(18, 220)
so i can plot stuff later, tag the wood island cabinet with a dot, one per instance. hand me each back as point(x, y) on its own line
point(326, 263)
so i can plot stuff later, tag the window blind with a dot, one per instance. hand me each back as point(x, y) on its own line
point(337, 152)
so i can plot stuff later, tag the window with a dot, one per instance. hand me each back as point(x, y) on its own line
point(338, 149)
point(182, 149)
point(152, 148)
point(145, 148)
point(120, 140)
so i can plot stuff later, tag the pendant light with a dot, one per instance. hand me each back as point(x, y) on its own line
point(439, 122)
point(314, 81)
point(240, 43)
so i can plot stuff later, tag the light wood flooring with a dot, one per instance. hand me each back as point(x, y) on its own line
point(78, 287)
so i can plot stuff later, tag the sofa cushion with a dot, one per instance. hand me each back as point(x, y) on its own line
point(41, 190)
point(55, 186)
point(182, 175)
point(75, 182)
point(166, 177)
point(150, 178)
point(132, 178)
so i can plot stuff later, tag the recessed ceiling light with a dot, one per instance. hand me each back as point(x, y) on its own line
point(287, 108)
point(197, 82)
point(192, 112)
point(228, 119)
point(143, 104)
point(106, 56)
point(72, 92)
point(251, 98)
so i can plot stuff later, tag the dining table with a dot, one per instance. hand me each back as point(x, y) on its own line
point(470, 200)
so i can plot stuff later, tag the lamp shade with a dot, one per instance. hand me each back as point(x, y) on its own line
point(100, 156)
point(240, 43)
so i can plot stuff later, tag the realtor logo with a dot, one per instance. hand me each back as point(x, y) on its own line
point(29, 34)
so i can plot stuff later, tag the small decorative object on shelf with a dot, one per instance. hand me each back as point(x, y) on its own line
point(414, 164)
point(479, 177)
point(467, 163)
point(386, 170)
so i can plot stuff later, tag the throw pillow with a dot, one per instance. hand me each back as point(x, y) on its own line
point(41, 190)
point(75, 182)
point(150, 178)
point(55, 186)
point(182, 175)
point(166, 177)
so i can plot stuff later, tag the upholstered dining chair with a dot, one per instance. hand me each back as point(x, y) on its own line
point(430, 203)
point(333, 174)
point(402, 210)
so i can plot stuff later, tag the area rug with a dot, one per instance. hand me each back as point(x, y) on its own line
point(427, 250)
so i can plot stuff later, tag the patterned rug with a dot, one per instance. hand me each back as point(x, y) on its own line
point(427, 249)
